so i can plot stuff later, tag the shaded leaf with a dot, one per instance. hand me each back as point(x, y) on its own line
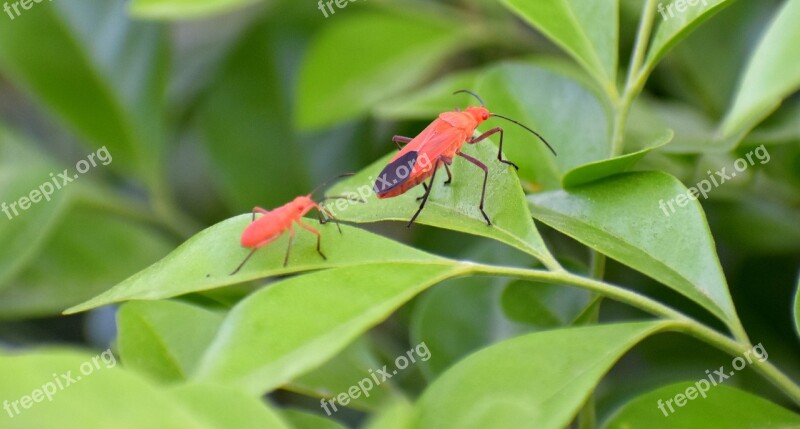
point(339, 84)
point(164, 339)
point(340, 373)
point(536, 380)
point(246, 127)
point(83, 237)
point(544, 305)
point(772, 74)
point(22, 232)
point(110, 81)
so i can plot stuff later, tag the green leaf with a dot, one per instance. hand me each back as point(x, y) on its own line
point(588, 31)
point(295, 325)
point(624, 218)
point(338, 375)
point(164, 339)
point(245, 126)
point(22, 171)
point(726, 407)
point(544, 305)
point(454, 206)
point(675, 26)
point(797, 308)
point(110, 79)
point(100, 397)
point(339, 84)
point(598, 170)
point(183, 9)
point(459, 317)
point(693, 131)
point(225, 408)
point(537, 380)
point(427, 103)
point(557, 105)
point(306, 420)
point(205, 261)
point(397, 415)
point(772, 74)
point(83, 237)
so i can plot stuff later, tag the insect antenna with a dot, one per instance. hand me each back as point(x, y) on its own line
point(329, 181)
point(532, 131)
point(466, 91)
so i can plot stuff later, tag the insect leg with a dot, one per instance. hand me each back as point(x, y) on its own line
point(489, 133)
point(449, 175)
point(311, 229)
point(321, 210)
point(427, 192)
point(401, 139)
point(482, 166)
point(289, 246)
point(258, 210)
point(243, 262)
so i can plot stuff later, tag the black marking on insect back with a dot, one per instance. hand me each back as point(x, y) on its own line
point(396, 173)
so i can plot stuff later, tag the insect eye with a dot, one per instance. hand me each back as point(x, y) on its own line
point(485, 115)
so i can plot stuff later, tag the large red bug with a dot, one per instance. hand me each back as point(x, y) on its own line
point(439, 142)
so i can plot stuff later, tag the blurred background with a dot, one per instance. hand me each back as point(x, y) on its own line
point(210, 111)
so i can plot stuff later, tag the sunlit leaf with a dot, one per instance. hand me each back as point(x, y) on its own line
point(206, 260)
point(294, 326)
point(628, 218)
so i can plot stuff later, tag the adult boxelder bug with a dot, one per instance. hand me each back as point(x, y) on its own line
point(273, 223)
point(439, 143)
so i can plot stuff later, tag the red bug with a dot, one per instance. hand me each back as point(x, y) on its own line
point(440, 142)
point(273, 223)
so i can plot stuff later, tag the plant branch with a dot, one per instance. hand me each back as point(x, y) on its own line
point(684, 324)
point(636, 78)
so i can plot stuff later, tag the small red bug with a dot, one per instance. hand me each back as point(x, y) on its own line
point(440, 142)
point(272, 224)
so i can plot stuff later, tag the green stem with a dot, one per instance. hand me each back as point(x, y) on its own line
point(684, 324)
point(587, 418)
point(636, 78)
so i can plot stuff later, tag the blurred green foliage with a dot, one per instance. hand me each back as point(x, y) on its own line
point(212, 107)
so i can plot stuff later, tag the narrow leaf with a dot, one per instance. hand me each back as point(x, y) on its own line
point(206, 260)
